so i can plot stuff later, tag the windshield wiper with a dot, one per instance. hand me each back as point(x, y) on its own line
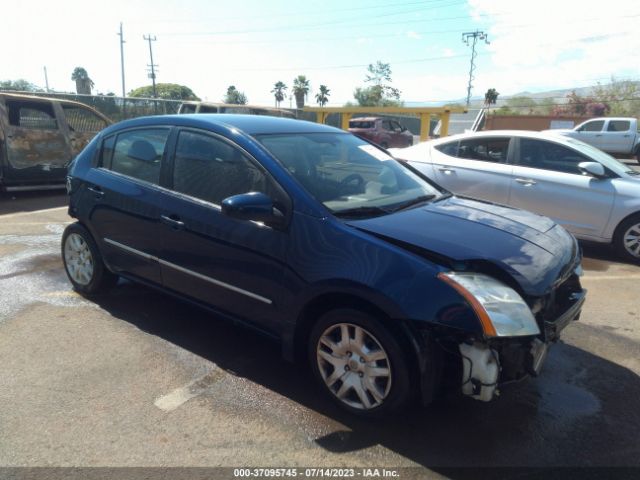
point(413, 201)
point(632, 172)
point(362, 212)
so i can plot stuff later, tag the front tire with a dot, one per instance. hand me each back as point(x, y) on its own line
point(83, 263)
point(627, 239)
point(359, 363)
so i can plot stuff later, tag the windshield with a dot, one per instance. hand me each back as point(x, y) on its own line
point(599, 156)
point(346, 173)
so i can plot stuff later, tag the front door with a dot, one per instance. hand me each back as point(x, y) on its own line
point(237, 266)
point(591, 132)
point(37, 150)
point(547, 181)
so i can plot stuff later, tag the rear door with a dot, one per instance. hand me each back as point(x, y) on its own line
point(475, 167)
point(547, 181)
point(234, 265)
point(37, 150)
point(125, 201)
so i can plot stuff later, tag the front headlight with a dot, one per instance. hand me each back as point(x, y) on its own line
point(502, 312)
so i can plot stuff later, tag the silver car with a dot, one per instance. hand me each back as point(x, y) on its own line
point(590, 193)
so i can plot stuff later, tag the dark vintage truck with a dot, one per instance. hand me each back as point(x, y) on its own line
point(39, 137)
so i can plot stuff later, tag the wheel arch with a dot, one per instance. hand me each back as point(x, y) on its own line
point(323, 303)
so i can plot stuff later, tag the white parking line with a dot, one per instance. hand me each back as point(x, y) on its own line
point(611, 277)
point(17, 214)
point(174, 399)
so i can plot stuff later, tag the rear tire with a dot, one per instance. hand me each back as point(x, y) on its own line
point(626, 240)
point(359, 363)
point(83, 263)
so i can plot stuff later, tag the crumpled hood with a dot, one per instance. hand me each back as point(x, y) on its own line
point(532, 249)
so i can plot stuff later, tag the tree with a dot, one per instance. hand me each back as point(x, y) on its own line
point(491, 97)
point(20, 85)
point(84, 84)
point(323, 96)
point(300, 90)
point(278, 92)
point(379, 93)
point(167, 91)
point(582, 106)
point(622, 97)
point(235, 96)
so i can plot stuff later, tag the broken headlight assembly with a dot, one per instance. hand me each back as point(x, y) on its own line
point(501, 310)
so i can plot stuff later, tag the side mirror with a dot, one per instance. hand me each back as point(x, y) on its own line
point(593, 169)
point(254, 206)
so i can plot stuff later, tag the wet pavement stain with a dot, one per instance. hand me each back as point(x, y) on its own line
point(33, 271)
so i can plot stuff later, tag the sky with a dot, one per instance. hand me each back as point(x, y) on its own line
point(208, 45)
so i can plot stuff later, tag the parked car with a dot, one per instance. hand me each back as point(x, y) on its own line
point(619, 136)
point(381, 131)
point(211, 107)
point(591, 194)
point(381, 280)
point(39, 137)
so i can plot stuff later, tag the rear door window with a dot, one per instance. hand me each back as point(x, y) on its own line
point(619, 126)
point(484, 149)
point(35, 115)
point(138, 153)
point(449, 148)
point(360, 124)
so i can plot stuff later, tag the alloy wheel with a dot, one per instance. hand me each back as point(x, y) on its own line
point(78, 259)
point(354, 366)
point(631, 240)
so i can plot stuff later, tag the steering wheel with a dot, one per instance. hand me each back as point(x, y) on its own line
point(353, 181)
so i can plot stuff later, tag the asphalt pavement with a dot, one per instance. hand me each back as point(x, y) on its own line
point(136, 378)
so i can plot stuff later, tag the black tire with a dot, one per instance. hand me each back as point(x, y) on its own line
point(86, 270)
point(385, 395)
point(624, 249)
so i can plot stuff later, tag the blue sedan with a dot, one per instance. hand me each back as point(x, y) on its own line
point(385, 283)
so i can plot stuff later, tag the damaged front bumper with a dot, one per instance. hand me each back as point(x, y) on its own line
point(489, 364)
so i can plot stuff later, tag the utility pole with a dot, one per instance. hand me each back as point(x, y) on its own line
point(46, 78)
point(122, 42)
point(152, 75)
point(475, 36)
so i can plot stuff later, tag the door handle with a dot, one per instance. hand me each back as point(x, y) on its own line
point(173, 221)
point(446, 170)
point(526, 181)
point(96, 190)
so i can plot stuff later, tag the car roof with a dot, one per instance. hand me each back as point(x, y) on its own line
point(248, 124)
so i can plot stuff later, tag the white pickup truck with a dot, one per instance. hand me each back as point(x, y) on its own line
point(615, 135)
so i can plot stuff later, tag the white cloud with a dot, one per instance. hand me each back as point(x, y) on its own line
point(555, 44)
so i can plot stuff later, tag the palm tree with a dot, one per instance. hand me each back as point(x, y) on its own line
point(323, 97)
point(491, 97)
point(300, 89)
point(83, 83)
point(278, 92)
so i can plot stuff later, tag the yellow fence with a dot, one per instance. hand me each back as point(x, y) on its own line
point(423, 112)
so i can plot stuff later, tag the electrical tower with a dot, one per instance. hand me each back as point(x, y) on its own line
point(474, 37)
point(152, 66)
